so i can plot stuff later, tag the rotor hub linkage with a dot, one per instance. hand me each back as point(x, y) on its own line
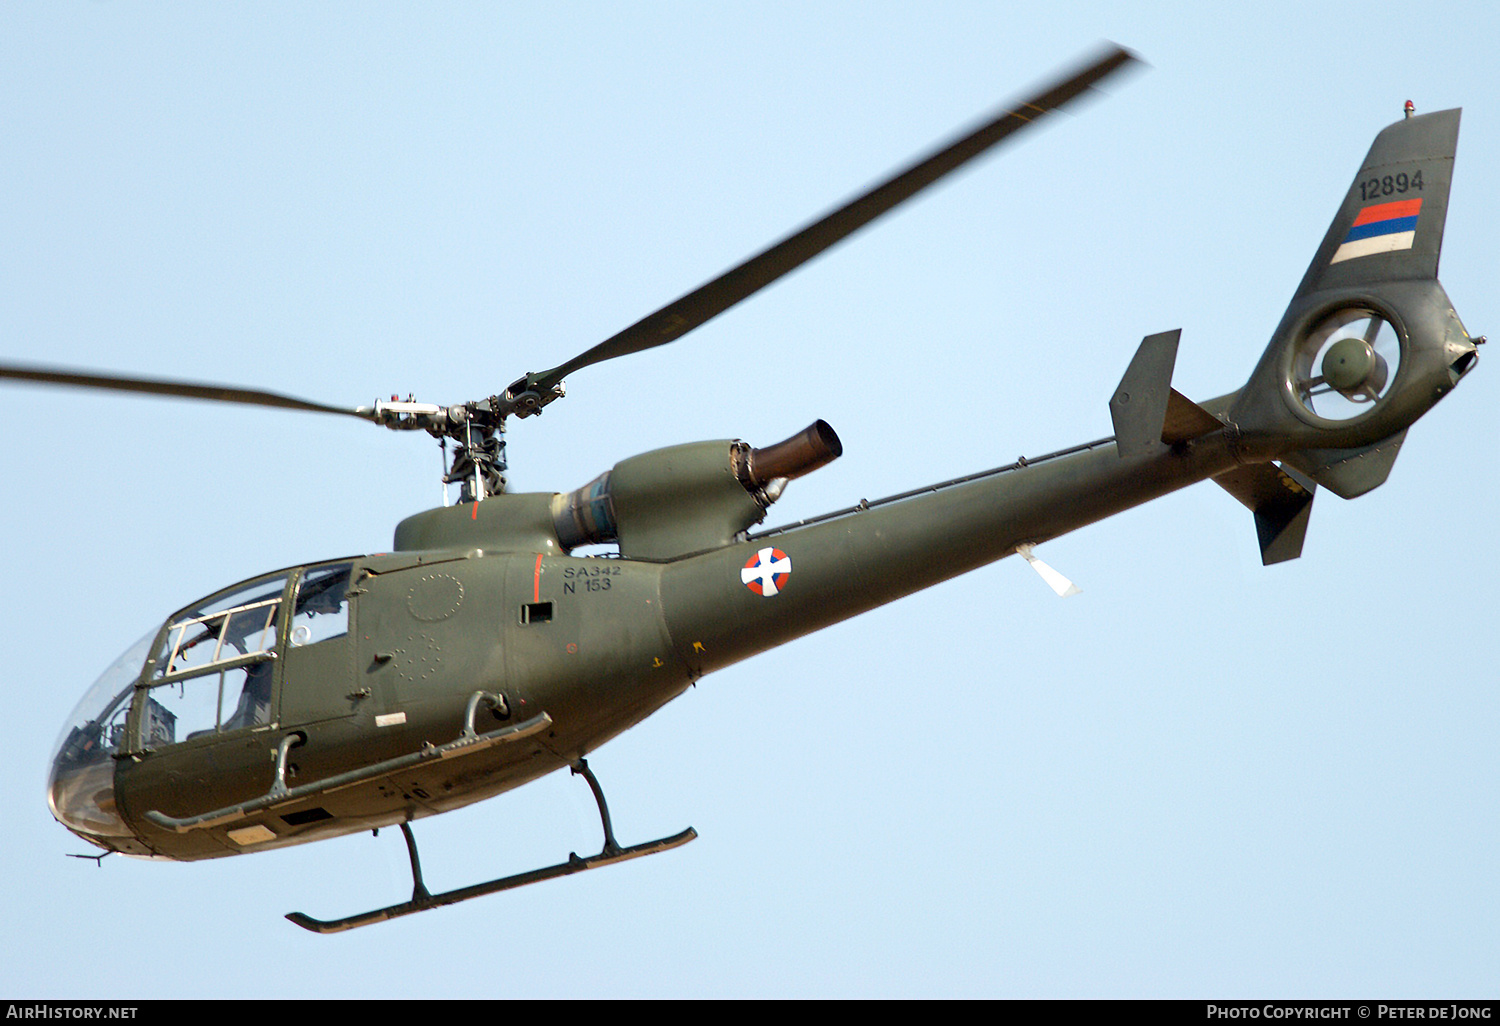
point(479, 461)
point(527, 396)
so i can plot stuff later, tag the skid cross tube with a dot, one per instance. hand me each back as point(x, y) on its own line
point(419, 891)
point(422, 899)
point(582, 767)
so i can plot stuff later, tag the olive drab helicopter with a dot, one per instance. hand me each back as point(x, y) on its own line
point(481, 653)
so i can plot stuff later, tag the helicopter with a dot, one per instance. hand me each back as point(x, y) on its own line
point(480, 654)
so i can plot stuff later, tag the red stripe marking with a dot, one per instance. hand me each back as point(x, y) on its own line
point(475, 514)
point(536, 581)
point(1388, 211)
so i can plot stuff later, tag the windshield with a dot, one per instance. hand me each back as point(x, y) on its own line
point(81, 787)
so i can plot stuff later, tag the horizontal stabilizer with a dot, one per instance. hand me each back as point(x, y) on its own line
point(1186, 420)
point(1281, 501)
point(1349, 473)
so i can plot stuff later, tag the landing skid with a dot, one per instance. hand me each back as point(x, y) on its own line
point(422, 900)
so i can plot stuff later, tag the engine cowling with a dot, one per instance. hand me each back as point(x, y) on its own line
point(688, 498)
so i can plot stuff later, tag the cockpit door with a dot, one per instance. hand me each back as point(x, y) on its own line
point(317, 658)
point(198, 728)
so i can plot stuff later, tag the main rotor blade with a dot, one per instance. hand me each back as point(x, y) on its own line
point(179, 389)
point(678, 318)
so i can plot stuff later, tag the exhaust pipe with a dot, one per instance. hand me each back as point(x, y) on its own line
point(815, 446)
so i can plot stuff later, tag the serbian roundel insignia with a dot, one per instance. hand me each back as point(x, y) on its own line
point(767, 571)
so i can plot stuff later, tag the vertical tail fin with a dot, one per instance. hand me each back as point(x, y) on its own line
point(1370, 341)
point(1390, 226)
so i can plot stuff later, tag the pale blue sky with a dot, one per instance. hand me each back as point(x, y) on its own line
point(1199, 778)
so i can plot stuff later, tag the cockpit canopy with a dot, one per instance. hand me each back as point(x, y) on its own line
point(207, 671)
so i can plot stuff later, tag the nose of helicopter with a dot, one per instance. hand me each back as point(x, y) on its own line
point(81, 781)
point(81, 793)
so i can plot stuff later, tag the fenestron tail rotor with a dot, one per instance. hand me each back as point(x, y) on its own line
point(1346, 363)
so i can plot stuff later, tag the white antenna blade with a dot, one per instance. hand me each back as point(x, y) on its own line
point(1056, 581)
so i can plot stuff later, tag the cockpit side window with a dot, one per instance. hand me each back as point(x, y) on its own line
point(238, 623)
point(321, 611)
point(213, 670)
point(206, 640)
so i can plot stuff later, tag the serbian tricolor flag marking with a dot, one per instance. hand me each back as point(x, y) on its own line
point(767, 571)
point(1382, 228)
